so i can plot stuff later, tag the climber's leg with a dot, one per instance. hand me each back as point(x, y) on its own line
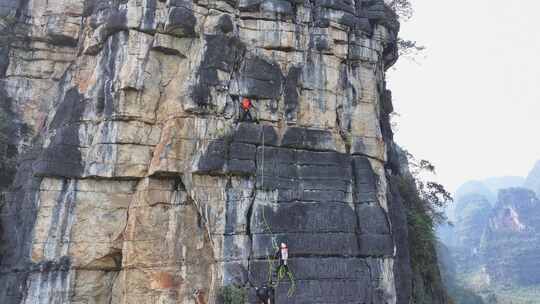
point(248, 114)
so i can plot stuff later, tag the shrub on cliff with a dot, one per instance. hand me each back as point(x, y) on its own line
point(402, 8)
point(424, 201)
point(427, 198)
point(7, 152)
point(233, 295)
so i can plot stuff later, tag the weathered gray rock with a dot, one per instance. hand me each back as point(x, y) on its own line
point(136, 181)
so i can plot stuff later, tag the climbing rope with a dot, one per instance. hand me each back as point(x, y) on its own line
point(281, 271)
point(262, 165)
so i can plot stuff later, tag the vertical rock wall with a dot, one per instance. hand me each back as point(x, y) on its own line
point(509, 250)
point(138, 184)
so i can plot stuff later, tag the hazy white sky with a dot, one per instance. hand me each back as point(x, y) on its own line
point(472, 106)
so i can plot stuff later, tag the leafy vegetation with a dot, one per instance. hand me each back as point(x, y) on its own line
point(7, 152)
point(425, 202)
point(428, 198)
point(409, 48)
point(404, 10)
point(232, 294)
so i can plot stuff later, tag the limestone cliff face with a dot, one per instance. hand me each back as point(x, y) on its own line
point(497, 244)
point(533, 179)
point(136, 182)
point(510, 242)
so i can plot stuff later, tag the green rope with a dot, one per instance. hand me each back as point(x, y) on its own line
point(282, 271)
point(292, 289)
point(269, 230)
point(270, 269)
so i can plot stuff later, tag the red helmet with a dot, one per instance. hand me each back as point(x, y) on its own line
point(246, 104)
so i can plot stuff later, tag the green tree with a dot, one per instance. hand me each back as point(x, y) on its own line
point(232, 294)
point(403, 8)
point(424, 201)
point(7, 153)
point(426, 196)
point(404, 11)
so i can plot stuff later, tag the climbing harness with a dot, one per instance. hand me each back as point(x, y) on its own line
point(283, 269)
point(283, 254)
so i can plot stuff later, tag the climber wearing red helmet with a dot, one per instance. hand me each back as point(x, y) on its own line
point(246, 105)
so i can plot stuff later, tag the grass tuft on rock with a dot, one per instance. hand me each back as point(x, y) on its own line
point(232, 294)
